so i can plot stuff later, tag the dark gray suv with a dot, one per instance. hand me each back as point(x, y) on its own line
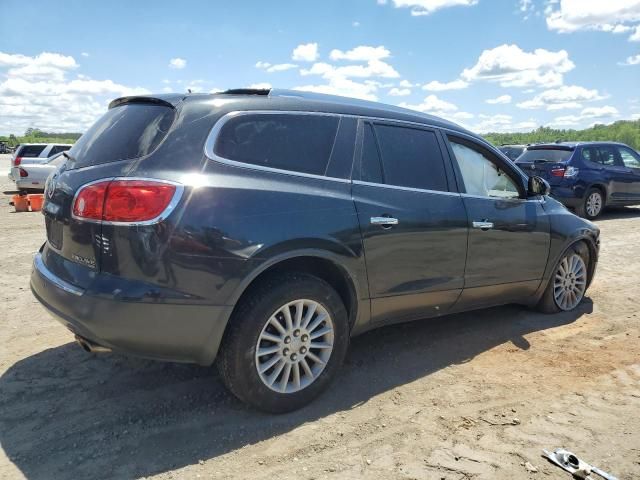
point(265, 228)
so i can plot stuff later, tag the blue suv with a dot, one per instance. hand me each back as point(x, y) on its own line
point(586, 176)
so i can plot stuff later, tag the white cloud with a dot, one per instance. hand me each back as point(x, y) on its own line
point(345, 88)
point(35, 92)
point(362, 53)
point(501, 100)
point(340, 80)
point(306, 52)
point(84, 54)
point(260, 86)
point(587, 117)
point(280, 67)
point(355, 24)
point(406, 84)
point(399, 92)
point(616, 16)
point(635, 36)
point(177, 63)
point(502, 123)
point(373, 68)
point(426, 7)
point(438, 107)
point(436, 86)
point(510, 66)
point(632, 60)
point(563, 97)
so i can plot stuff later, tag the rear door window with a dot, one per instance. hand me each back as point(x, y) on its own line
point(630, 158)
point(128, 131)
point(411, 157)
point(294, 142)
point(606, 156)
point(31, 151)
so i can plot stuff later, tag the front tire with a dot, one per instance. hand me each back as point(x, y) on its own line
point(285, 342)
point(568, 283)
point(592, 205)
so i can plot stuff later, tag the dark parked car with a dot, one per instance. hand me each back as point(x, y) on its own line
point(512, 151)
point(587, 176)
point(265, 228)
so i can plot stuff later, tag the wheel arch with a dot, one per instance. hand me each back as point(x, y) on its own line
point(603, 189)
point(579, 237)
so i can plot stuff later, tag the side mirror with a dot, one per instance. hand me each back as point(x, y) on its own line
point(538, 186)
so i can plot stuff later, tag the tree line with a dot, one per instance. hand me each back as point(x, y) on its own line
point(35, 135)
point(623, 131)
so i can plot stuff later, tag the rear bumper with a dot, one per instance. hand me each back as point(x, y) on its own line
point(152, 329)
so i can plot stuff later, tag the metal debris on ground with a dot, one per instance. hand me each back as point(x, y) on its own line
point(576, 467)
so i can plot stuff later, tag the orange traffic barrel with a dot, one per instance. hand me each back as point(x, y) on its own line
point(20, 203)
point(36, 199)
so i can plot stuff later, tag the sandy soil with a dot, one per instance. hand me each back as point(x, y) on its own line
point(473, 396)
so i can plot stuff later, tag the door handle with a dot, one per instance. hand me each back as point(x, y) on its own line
point(384, 221)
point(483, 225)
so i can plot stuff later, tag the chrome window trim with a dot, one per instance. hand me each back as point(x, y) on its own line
point(177, 195)
point(41, 268)
point(407, 189)
point(209, 145)
point(504, 199)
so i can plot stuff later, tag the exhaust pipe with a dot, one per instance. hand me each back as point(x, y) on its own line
point(91, 347)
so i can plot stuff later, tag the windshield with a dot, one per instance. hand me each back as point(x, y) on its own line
point(545, 155)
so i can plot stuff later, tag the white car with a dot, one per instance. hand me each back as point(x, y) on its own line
point(34, 153)
point(34, 176)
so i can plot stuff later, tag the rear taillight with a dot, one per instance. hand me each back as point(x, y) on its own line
point(566, 172)
point(17, 161)
point(122, 200)
point(23, 173)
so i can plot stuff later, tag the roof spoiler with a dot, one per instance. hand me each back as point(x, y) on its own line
point(139, 99)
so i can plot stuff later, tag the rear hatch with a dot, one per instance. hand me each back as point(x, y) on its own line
point(128, 131)
point(546, 161)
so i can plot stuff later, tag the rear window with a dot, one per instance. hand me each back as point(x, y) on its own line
point(299, 143)
point(512, 152)
point(545, 155)
point(124, 132)
point(31, 151)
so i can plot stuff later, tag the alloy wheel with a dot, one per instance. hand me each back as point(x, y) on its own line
point(294, 346)
point(594, 204)
point(570, 282)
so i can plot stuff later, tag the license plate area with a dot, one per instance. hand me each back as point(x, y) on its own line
point(54, 233)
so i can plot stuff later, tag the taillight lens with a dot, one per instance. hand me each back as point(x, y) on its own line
point(17, 161)
point(122, 200)
point(557, 172)
point(23, 173)
point(570, 172)
point(89, 202)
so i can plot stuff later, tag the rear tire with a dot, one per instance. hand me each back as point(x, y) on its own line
point(291, 324)
point(568, 283)
point(592, 205)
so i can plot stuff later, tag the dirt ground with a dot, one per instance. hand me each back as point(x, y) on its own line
point(469, 396)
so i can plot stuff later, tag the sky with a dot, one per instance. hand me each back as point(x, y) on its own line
point(489, 65)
